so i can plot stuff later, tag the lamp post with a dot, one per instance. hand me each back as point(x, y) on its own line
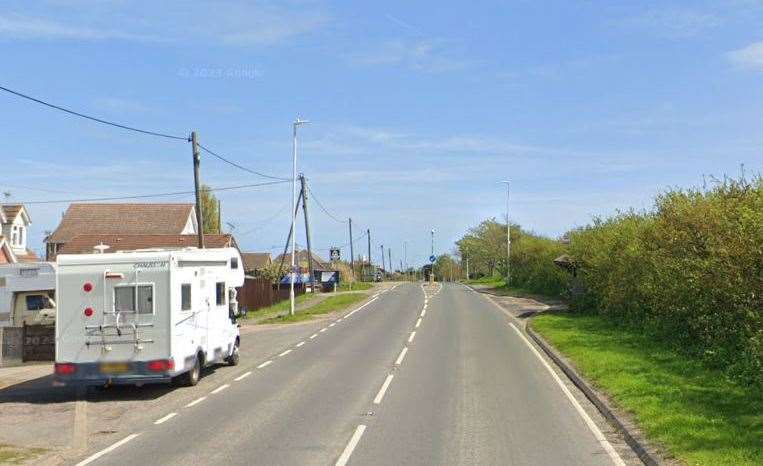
point(292, 276)
point(508, 237)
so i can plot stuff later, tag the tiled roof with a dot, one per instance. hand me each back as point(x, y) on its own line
point(28, 256)
point(318, 263)
point(85, 244)
point(256, 260)
point(122, 219)
point(10, 211)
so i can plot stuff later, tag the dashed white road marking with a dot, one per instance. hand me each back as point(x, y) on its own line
point(418, 322)
point(243, 376)
point(264, 364)
point(332, 324)
point(589, 422)
point(300, 344)
point(402, 355)
point(113, 447)
point(339, 320)
point(219, 389)
point(423, 312)
point(284, 353)
point(383, 389)
point(313, 335)
point(165, 418)
point(410, 338)
point(342, 461)
point(196, 401)
point(323, 329)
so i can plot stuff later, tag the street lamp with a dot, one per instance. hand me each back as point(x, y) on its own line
point(292, 276)
point(508, 237)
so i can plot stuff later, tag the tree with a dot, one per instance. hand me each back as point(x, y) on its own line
point(209, 211)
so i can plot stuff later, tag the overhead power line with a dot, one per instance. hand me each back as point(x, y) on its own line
point(92, 118)
point(144, 196)
point(323, 208)
point(241, 167)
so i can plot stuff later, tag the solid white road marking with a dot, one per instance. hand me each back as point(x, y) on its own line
point(113, 447)
point(219, 389)
point(196, 401)
point(418, 322)
point(243, 376)
point(589, 422)
point(342, 461)
point(266, 363)
point(313, 335)
point(410, 338)
point(284, 353)
point(383, 390)
point(300, 344)
point(165, 418)
point(402, 355)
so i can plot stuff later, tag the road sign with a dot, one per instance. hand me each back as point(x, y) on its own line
point(432, 258)
point(335, 254)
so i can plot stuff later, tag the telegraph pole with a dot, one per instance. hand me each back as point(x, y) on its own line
point(293, 272)
point(303, 182)
point(368, 235)
point(508, 238)
point(352, 251)
point(196, 163)
point(389, 252)
point(384, 267)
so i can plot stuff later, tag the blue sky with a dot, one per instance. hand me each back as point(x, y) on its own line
point(418, 109)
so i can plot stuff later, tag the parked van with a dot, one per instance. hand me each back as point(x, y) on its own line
point(27, 293)
point(146, 316)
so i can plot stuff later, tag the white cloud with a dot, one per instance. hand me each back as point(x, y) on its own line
point(675, 22)
point(749, 57)
point(21, 27)
point(427, 55)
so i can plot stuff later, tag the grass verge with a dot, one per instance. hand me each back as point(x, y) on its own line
point(357, 286)
point(279, 308)
point(15, 455)
point(694, 412)
point(330, 304)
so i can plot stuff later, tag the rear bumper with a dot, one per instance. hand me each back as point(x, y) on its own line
point(91, 374)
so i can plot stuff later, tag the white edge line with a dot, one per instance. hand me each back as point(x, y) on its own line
point(264, 364)
point(313, 335)
point(243, 376)
point(196, 401)
point(299, 344)
point(410, 338)
point(165, 418)
point(589, 422)
point(106, 450)
point(342, 461)
point(402, 355)
point(332, 324)
point(383, 389)
point(220, 388)
point(323, 329)
point(284, 353)
point(418, 322)
point(423, 312)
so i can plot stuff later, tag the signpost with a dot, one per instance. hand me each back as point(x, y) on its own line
point(432, 258)
point(335, 254)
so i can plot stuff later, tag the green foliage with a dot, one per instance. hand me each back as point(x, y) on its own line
point(690, 271)
point(209, 211)
point(692, 410)
point(445, 268)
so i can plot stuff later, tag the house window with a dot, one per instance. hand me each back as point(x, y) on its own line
point(15, 235)
point(185, 297)
point(21, 236)
point(234, 263)
point(220, 293)
point(126, 298)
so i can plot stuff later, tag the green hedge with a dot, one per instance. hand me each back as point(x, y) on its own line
point(690, 272)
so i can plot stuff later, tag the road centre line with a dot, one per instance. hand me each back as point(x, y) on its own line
point(586, 418)
point(165, 418)
point(332, 324)
point(196, 401)
point(323, 329)
point(243, 376)
point(402, 355)
point(313, 335)
point(383, 389)
point(300, 344)
point(418, 322)
point(106, 450)
point(423, 312)
point(410, 338)
point(285, 353)
point(219, 389)
point(342, 461)
point(264, 364)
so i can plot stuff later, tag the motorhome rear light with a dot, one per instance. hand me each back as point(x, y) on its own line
point(65, 368)
point(88, 287)
point(88, 311)
point(161, 365)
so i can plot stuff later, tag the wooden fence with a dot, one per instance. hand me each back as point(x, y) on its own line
point(259, 292)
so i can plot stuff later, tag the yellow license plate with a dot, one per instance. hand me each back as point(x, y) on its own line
point(115, 368)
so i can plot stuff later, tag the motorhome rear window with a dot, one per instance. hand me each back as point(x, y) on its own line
point(125, 298)
point(37, 302)
point(220, 293)
point(185, 297)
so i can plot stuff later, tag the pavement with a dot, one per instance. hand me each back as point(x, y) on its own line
point(356, 388)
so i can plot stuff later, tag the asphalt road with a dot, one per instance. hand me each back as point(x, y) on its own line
point(465, 389)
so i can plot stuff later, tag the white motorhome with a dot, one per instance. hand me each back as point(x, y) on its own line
point(146, 316)
point(26, 294)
